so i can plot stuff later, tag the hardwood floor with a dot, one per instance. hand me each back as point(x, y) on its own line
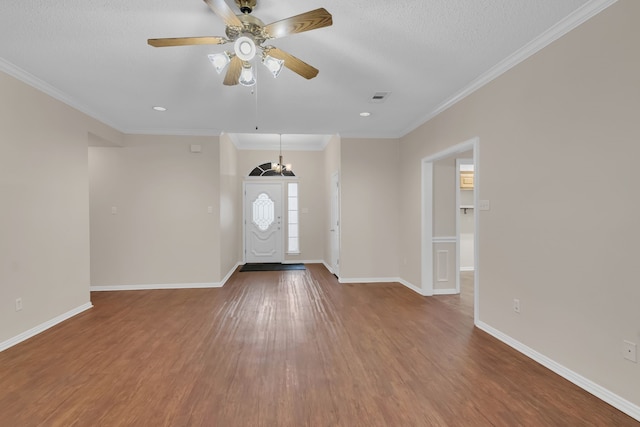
point(290, 348)
point(463, 303)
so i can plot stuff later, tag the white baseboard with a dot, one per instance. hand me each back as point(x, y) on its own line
point(154, 286)
point(43, 326)
point(450, 291)
point(302, 261)
point(368, 280)
point(384, 280)
point(296, 261)
point(411, 286)
point(229, 273)
point(327, 267)
point(467, 269)
point(377, 280)
point(597, 390)
point(165, 285)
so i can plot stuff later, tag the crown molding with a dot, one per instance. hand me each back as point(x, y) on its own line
point(46, 88)
point(580, 16)
point(173, 132)
point(270, 142)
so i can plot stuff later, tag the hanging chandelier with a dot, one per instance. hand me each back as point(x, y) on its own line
point(280, 167)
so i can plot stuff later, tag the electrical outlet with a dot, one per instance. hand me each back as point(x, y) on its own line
point(484, 205)
point(516, 305)
point(18, 304)
point(629, 351)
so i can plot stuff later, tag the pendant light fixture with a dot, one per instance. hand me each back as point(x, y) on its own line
point(280, 168)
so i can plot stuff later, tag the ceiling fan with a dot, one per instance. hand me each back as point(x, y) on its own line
point(248, 34)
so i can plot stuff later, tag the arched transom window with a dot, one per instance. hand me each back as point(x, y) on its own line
point(266, 169)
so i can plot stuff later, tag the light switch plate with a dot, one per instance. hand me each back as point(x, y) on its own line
point(484, 205)
point(630, 351)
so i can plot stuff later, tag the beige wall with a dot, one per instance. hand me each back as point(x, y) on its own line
point(444, 197)
point(309, 168)
point(44, 219)
point(369, 208)
point(230, 206)
point(558, 142)
point(163, 232)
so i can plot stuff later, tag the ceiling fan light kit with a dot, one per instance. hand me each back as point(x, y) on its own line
point(245, 48)
point(248, 33)
point(247, 76)
point(220, 61)
point(274, 65)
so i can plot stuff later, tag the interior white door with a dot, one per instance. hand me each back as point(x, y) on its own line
point(263, 222)
point(335, 224)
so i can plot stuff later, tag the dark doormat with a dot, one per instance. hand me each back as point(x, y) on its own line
point(271, 266)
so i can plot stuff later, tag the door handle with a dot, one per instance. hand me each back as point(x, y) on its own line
point(332, 229)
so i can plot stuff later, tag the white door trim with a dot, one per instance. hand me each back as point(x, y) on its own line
point(334, 229)
point(427, 218)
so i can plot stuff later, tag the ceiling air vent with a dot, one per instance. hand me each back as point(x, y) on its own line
point(379, 97)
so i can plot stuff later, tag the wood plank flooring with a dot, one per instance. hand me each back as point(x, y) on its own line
point(291, 348)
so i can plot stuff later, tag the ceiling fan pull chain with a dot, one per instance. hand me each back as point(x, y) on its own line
point(255, 94)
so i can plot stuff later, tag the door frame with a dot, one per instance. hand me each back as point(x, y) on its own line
point(334, 203)
point(265, 180)
point(427, 263)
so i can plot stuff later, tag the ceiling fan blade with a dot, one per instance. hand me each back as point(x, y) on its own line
point(312, 20)
point(220, 8)
point(233, 73)
point(291, 62)
point(186, 41)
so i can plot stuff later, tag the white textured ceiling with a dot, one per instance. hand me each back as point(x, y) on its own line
point(93, 54)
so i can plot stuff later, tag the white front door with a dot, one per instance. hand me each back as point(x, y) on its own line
point(263, 222)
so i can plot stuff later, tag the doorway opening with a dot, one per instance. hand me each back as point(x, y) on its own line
point(432, 251)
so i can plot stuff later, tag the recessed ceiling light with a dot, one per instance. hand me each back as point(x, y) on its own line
point(365, 114)
point(159, 108)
